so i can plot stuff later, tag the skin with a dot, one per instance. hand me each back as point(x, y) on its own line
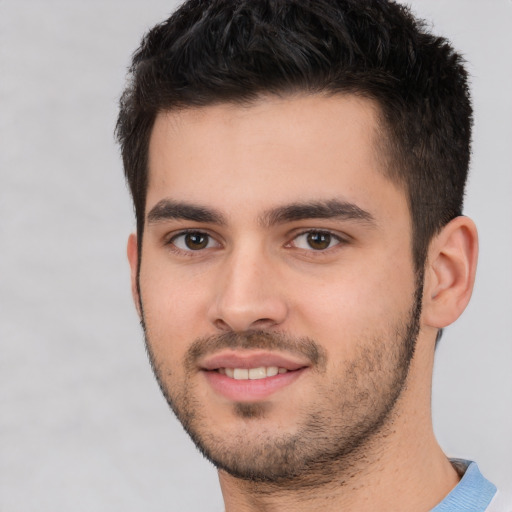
point(352, 299)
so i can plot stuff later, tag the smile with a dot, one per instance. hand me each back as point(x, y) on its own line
point(262, 372)
point(251, 375)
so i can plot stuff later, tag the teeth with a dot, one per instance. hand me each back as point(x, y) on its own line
point(257, 373)
point(272, 370)
point(251, 373)
point(241, 374)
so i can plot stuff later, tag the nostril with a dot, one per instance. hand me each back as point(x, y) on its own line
point(240, 309)
point(221, 325)
point(262, 323)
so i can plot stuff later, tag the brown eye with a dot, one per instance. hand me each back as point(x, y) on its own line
point(316, 240)
point(193, 241)
point(319, 241)
point(196, 241)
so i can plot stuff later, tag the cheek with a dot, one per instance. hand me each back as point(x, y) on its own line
point(174, 309)
point(356, 305)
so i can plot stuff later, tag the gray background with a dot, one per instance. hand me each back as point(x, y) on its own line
point(82, 424)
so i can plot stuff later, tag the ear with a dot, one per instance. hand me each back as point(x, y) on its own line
point(133, 259)
point(450, 272)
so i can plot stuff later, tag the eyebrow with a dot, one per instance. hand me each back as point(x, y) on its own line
point(167, 209)
point(332, 209)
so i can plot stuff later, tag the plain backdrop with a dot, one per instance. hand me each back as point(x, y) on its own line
point(83, 426)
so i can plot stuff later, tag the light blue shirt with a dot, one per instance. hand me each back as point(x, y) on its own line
point(472, 494)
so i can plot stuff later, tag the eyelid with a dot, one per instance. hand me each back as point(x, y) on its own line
point(341, 239)
point(170, 240)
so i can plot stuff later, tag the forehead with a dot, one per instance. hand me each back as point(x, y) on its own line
point(270, 152)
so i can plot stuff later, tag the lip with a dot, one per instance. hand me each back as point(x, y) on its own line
point(251, 390)
point(251, 359)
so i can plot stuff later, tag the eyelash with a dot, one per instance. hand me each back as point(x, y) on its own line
point(171, 243)
point(332, 237)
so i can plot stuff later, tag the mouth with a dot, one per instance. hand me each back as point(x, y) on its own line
point(246, 376)
point(261, 372)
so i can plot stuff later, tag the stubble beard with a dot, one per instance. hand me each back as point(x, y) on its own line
point(330, 437)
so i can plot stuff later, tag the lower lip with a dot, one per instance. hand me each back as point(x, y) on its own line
point(250, 390)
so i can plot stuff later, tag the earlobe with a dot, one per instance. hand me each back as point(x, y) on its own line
point(450, 272)
point(133, 259)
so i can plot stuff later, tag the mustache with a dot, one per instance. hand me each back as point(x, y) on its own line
point(257, 340)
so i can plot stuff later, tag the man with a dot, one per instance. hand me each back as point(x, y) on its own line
point(298, 171)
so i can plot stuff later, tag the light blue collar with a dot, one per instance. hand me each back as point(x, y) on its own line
point(472, 494)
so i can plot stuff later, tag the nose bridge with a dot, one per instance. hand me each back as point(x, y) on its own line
point(248, 294)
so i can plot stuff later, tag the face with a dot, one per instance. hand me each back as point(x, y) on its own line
point(276, 282)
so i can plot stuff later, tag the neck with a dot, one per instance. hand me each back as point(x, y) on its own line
point(401, 468)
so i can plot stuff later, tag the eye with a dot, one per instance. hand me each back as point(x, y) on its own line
point(316, 240)
point(193, 241)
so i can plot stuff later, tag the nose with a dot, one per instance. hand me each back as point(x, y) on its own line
point(247, 293)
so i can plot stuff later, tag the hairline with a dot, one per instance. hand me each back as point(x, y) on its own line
point(387, 159)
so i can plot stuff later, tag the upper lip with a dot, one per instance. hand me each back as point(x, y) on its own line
point(251, 359)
